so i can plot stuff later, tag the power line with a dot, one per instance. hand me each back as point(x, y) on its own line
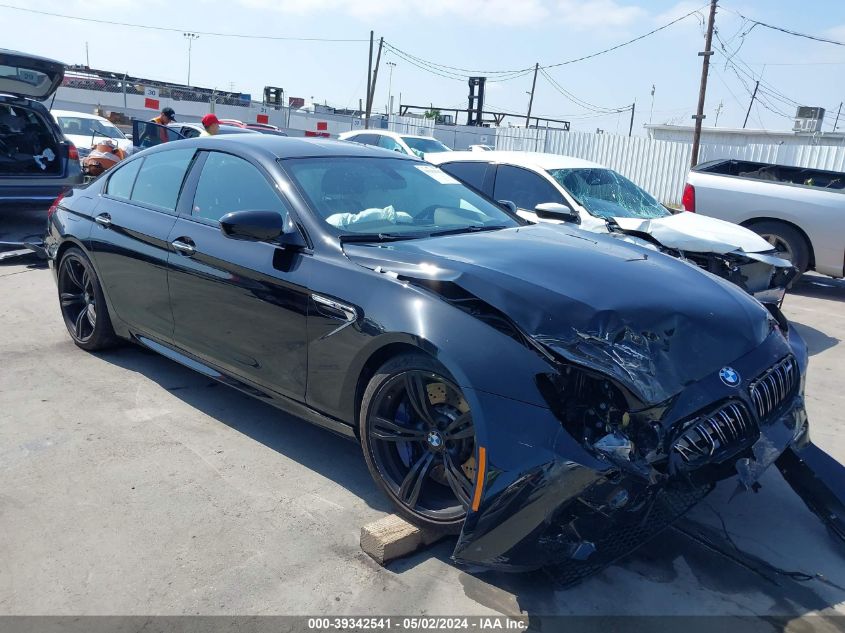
point(462, 73)
point(179, 30)
point(787, 31)
point(626, 43)
point(578, 101)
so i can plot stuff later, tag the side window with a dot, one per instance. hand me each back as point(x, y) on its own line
point(122, 179)
point(229, 183)
point(160, 178)
point(524, 188)
point(389, 143)
point(472, 173)
point(190, 132)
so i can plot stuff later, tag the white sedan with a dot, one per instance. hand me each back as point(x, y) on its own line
point(411, 144)
point(553, 188)
point(84, 130)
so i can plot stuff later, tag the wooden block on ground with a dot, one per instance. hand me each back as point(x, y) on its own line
point(393, 537)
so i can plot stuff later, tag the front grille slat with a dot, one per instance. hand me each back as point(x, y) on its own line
point(773, 387)
point(717, 435)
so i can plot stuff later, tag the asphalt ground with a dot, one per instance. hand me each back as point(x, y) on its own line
point(132, 485)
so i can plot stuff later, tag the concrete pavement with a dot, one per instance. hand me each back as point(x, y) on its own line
point(131, 485)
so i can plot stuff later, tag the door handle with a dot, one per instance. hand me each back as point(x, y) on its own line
point(104, 220)
point(184, 246)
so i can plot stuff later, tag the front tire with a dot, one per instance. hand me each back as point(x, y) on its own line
point(787, 241)
point(82, 303)
point(419, 442)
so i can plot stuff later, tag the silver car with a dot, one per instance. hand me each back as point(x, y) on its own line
point(37, 163)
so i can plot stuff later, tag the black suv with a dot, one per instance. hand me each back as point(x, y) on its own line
point(37, 162)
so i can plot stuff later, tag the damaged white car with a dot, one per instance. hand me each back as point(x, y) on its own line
point(554, 188)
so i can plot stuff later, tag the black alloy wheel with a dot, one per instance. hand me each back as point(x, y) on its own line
point(82, 303)
point(419, 441)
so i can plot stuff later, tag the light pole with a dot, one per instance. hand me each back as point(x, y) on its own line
point(392, 65)
point(651, 115)
point(190, 37)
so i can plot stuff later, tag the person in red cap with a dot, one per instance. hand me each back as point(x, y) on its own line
point(211, 124)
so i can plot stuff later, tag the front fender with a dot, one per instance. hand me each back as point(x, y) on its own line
point(390, 312)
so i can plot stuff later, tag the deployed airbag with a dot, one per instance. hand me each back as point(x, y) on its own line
point(387, 214)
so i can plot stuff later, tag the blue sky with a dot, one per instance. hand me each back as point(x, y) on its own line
point(470, 34)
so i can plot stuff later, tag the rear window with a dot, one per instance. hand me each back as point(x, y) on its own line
point(26, 82)
point(366, 139)
point(160, 178)
point(122, 179)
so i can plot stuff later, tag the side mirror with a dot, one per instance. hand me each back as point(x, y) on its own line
point(258, 226)
point(508, 205)
point(557, 211)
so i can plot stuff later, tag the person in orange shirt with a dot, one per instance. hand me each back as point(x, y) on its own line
point(166, 117)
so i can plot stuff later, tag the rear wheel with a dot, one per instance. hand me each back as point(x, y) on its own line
point(419, 441)
point(82, 303)
point(787, 241)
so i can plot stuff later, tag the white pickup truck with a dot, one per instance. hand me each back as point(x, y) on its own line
point(800, 211)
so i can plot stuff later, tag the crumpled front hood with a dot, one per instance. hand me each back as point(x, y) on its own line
point(654, 323)
point(697, 233)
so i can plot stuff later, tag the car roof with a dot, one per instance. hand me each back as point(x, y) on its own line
point(78, 115)
point(199, 126)
point(531, 160)
point(389, 133)
point(270, 146)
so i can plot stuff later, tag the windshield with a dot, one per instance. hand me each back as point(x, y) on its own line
point(356, 195)
point(89, 127)
point(606, 194)
point(425, 145)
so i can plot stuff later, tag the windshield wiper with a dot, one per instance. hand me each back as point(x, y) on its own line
point(379, 237)
point(475, 228)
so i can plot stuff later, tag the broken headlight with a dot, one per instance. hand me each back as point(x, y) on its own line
point(605, 419)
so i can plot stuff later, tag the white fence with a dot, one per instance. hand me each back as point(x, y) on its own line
point(660, 167)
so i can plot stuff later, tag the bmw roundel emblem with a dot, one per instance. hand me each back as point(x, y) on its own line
point(730, 376)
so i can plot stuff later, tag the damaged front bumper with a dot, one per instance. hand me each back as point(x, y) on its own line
point(548, 498)
point(761, 275)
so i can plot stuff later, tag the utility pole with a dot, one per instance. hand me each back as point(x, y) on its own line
point(390, 89)
point(375, 77)
point(531, 98)
point(705, 68)
point(718, 112)
point(835, 123)
point(369, 82)
point(87, 60)
point(190, 37)
point(751, 103)
point(631, 126)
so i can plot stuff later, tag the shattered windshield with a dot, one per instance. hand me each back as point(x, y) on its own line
point(606, 194)
point(357, 195)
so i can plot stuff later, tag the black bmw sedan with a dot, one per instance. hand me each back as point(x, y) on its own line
point(551, 394)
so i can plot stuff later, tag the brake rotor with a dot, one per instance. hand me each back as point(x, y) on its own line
point(453, 405)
